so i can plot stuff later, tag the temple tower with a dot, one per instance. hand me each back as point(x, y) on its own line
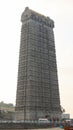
point(37, 86)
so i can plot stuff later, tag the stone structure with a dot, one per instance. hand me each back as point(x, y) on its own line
point(37, 88)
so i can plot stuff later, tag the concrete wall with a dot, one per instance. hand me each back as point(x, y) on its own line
point(21, 126)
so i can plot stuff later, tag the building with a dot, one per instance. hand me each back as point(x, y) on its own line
point(65, 116)
point(37, 87)
point(7, 111)
point(7, 107)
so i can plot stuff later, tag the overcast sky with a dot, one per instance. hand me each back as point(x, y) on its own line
point(61, 11)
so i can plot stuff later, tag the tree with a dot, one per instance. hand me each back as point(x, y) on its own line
point(62, 109)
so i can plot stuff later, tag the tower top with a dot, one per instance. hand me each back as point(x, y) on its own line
point(30, 14)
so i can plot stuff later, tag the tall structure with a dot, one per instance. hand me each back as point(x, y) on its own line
point(37, 88)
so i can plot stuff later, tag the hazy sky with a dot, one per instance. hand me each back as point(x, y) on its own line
point(61, 11)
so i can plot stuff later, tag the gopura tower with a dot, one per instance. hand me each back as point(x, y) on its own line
point(37, 88)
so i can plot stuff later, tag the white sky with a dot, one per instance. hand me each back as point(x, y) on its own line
point(61, 11)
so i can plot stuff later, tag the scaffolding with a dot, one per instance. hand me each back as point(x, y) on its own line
point(37, 87)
